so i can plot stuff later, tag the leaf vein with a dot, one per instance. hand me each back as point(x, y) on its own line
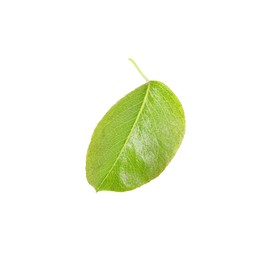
point(133, 126)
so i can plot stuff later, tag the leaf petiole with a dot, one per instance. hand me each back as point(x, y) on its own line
point(136, 66)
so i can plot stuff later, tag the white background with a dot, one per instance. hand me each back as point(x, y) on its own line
point(63, 64)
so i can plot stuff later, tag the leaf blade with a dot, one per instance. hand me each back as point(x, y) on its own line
point(149, 144)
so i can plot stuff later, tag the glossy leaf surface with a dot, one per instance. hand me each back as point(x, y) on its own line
point(136, 139)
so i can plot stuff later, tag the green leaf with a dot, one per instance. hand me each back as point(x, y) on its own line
point(136, 139)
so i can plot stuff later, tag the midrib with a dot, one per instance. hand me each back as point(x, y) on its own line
point(133, 126)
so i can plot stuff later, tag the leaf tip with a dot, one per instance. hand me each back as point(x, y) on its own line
point(98, 190)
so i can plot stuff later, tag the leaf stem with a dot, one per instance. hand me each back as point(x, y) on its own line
point(136, 66)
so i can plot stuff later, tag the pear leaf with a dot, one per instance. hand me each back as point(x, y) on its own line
point(136, 139)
